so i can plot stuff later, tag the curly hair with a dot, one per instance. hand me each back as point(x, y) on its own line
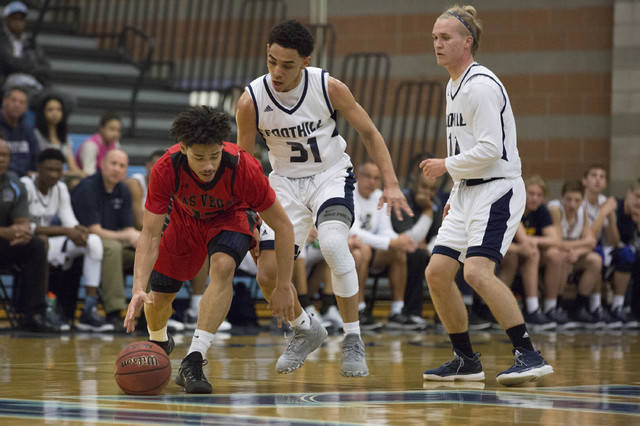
point(292, 35)
point(201, 125)
point(51, 154)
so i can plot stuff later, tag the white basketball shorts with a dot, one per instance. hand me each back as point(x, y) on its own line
point(305, 198)
point(482, 219)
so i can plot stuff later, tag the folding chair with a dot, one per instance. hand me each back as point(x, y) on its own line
point(5, 299)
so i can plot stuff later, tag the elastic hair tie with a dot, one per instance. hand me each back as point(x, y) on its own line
point(459, 18)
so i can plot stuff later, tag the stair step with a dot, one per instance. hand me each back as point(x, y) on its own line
point(46, 40)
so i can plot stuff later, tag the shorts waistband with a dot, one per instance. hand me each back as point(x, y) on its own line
point(474, 182)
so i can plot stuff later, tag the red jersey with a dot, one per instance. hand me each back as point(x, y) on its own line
point(239, 183)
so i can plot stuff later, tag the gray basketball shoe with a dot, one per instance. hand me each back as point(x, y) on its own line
point(301, 344)
point(353, 357)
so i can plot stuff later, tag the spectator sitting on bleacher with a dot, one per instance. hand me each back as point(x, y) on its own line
point(51, 131)
point(576, 250)
point(422, 228)
point(92, 151)
point(102, 202)
point(601, 216)
point(49, 199)
point(381, 247)
point(21, 62)
point(626, 257)
point(18, 134)
point(18, 248)
point(535, 244)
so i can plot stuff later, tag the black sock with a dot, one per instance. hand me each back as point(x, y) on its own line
point(304, 300)
point(519, 337)
point(461, 343)
point(582, 301)
point(327, 300)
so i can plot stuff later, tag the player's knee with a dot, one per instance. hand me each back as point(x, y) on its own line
point(332, 237)
point(222, 265)
point(594, 261)
point(266, 275)
point(436, 277)
point(398, 257)
point(553, 256)
point(94, 247)
point(477, 276)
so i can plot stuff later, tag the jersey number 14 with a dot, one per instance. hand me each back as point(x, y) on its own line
point(301, 153)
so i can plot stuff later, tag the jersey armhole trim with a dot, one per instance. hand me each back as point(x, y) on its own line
point(325, 83)
point(255, 106)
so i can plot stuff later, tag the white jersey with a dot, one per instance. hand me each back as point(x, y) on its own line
point(593, 210)
point(143, 184)
point(574, 231)
point(303, 139)
point(371, 224)
point(481, 129)
point(43, 208)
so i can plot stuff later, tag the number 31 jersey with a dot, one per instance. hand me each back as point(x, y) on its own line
point(303, 140)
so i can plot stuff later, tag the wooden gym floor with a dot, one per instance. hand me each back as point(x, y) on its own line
point(69, 380)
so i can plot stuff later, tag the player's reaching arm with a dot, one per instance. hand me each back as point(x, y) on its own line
point(282, 298)
point(146, 255)
point(342, 100)
point(246, 122)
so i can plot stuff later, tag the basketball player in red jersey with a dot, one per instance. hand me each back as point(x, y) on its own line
point(216, 189)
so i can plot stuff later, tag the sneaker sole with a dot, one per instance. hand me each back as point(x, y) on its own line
point(476, 377)
point(101, 329)
point(534, 374)
point(541, 327)
point(360, 373)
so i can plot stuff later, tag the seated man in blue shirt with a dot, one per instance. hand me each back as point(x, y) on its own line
point(19, 135)
point(102, 203)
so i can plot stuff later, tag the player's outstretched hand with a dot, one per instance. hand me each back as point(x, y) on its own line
point(394, 198)
point(282, 302)
point(138, 299)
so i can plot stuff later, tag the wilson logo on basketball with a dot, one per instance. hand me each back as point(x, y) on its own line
point(140, 361)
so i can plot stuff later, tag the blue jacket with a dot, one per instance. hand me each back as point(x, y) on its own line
point(23, 145)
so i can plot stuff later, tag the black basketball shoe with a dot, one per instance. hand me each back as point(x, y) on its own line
point(191, 376)
point(460, 367)
point(167, 346)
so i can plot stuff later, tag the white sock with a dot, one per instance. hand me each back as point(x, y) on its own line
point(594, 302)
point(467, 299)
point(362, 306)
point(194, 304)
point(550, 304)
point(158, 335)
point(618, 301)
point(303, 321)
point(532, 304)
point(351, 328)
point(201, 342)
point(396, 307)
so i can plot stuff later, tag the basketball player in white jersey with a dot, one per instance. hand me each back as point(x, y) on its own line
point(485, 205)
point(294, 108)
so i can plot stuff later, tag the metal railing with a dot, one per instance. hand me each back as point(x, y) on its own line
point(415, 125)
point(199, 44)
point(367, 75)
